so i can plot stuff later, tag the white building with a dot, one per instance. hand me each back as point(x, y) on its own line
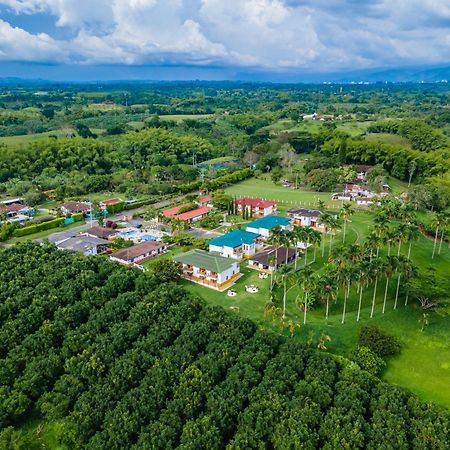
point(208, 269)
point(237, 244)
point(306, 217)
point(265, 225)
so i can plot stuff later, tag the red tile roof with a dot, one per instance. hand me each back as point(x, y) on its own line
point(194, 213)
point(254, 202)
point(171, 212)
point(205, 199)
point(110, 201)
point(15, 207)
point(101, 232)
point(127, 254)
point(76, 206)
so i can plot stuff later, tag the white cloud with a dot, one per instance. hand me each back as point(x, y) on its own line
point(276, 34)
point(16, 43)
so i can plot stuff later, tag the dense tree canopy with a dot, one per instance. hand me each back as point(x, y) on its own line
point(123, 359)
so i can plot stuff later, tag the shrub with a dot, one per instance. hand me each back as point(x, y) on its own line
point(367, 360)
point(381, 343)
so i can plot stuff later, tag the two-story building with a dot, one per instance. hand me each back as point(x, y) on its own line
point(255, 206)
point(265, 225)
point(237, 244)
point(306, 217)
point(209, 269)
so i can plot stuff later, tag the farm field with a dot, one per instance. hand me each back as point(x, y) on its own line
point(16, 141)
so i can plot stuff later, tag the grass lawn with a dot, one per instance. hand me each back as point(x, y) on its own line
point(45, 233)
point(285, 197)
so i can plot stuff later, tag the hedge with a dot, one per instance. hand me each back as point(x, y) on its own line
point(31, 229)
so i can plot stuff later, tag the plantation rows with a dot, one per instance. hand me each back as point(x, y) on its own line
point(125, 361)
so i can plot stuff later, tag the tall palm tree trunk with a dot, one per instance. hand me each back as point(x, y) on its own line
point(344, 231)
point(374, 297)
point(305, 308)
point(327, 309)
point(435, 242)
point(306, 254)
point(359, 304)
point(385, 294)
point(440, 243)
point(396, 292)
point(347, 292)
point(323, 244)
point(284, 297)
point(409, 249)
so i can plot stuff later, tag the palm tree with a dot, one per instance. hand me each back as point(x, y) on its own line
point(376, 270)
point(334, 224)
point(438, 220)
point(403, 268)
point(388, 268)
point(372, 244)
point(389, 237)
point(320, 204)
point(177, 225)
point(412, 234)
point(284, 272)
point(306, 281)
point(347, 278)
point(288, 239)
point(327, 291)
point(444, 228)
point(346, 213)
point(299, 234)
point(275, 239)
point(400, 233)
point(271, 261)
point(381, 228)
point(315, 237)
point(325, 219)
point(362, 276)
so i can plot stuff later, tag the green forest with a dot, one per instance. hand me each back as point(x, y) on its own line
point(112, 358)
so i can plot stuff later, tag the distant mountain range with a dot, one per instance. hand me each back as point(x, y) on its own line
point(17, 74)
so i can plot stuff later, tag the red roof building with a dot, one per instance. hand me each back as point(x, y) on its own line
point(258, 206)
point(194, 215)
point(75, 207)
point(172, 212)
point(111, 201)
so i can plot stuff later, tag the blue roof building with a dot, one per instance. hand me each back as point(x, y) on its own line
point(237, 244)
point(266, 224)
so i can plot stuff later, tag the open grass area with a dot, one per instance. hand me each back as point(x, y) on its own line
point(388, 138)
point(180, 117)
point(353, 128)
point(285, 197)
point(220, 159)
point(15, 141)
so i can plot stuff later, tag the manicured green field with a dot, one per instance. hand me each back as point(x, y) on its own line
point(285, 197)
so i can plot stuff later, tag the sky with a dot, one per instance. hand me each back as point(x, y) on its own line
point(218, 39)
